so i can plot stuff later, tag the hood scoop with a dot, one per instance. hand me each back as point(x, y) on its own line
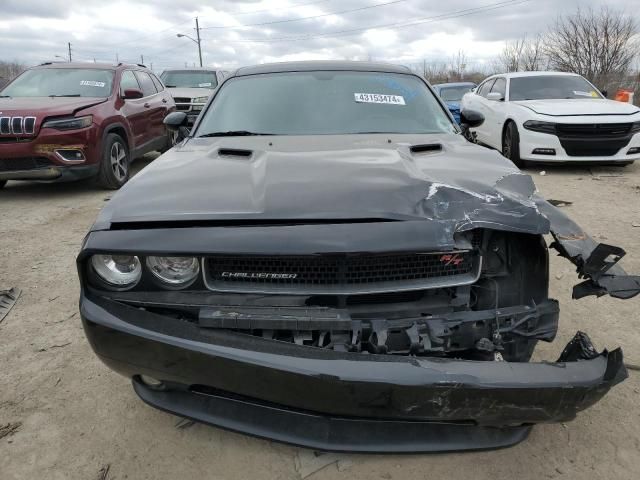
point(425, 148)
point(234, 152)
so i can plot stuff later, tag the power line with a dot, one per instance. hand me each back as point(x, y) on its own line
point(306, 18)
point(390, 26)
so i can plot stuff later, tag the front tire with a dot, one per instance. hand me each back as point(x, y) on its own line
point(511, 144)
point(114, 167)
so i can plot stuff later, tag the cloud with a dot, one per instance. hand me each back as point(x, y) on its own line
point(33, 31)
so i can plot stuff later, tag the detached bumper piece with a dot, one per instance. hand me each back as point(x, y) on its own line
point(342, 401)
point(326, 432)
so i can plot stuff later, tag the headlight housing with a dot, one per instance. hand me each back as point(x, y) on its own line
point(200, 100)
point(120, 272)
point(69, 123)
point(174, 272)
point(540, 127)
point(635, 127)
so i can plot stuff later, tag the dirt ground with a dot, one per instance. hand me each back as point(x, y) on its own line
point(75, 419)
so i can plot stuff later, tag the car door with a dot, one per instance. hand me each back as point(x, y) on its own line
point(155, 111)
point(495, 115)
point(134, 109)
point(480, 104)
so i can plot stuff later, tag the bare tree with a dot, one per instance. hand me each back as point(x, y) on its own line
point(522, 54)
point(458, 65)
point(509, 58)
point(10, 70)
point(598, 45)
point(532, 57)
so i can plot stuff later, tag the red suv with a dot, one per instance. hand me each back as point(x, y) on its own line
point(66, 121)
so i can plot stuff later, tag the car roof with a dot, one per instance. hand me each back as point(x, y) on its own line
point(191, 69)
point(535, 74)
point(455, 84)
point(91, 65)
point(328, 65)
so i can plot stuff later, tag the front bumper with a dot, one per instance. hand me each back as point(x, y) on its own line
point(54, 173)
point(40, 157)
point(530, 141)
point(331, 400)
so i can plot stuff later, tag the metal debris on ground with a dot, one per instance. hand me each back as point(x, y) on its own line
point(559, 203)
point(9, 429)
point(184, 423)
point(543, 173)
point(103, 473)
point(635, 224)
point(8, 299)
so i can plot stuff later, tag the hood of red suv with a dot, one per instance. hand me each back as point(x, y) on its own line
point(41, 107)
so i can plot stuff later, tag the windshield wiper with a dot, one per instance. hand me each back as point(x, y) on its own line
point(69, 95)
point(5, 96)
point(170, 86)
point(233, 133)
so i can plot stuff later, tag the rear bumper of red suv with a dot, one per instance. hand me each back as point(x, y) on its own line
point(52, 155)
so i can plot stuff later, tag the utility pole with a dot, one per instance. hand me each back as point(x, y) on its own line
point(69, 45)
point(142, 59)
point(117, 60)
point(197, 36)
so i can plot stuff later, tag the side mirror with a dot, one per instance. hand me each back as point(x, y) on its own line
point(495, 97)
point(175, 120)
point(132, 94)
point(470, 119)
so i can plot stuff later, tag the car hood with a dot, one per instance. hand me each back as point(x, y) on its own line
point(330, 177)
point(46, 106)
point(189, 92)
point(574, 107)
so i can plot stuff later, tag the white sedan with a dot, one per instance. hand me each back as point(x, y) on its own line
point(553, 117)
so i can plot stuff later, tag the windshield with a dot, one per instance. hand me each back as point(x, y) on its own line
point(61, 82)
point(547, 87)
point(189, 79)
point(325, 102)
point(454, 94)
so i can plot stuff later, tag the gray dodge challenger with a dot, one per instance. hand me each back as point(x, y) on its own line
point(325, 261)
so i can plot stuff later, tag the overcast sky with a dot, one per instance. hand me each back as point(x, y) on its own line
point(243, 32)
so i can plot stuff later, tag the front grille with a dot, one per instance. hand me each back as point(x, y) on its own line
point(593, 139)
point(348, 274)
point(23, 163)
point(17, 125)
point(593, 129)
point(183, 104)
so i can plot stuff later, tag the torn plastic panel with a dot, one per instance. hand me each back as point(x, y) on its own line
point(596, 262)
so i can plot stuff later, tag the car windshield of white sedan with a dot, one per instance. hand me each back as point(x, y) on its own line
point(189, 79)
point(324, 103)
point(61, 82)
point(551, 87)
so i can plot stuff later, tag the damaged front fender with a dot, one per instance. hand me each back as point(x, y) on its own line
point(595, 262)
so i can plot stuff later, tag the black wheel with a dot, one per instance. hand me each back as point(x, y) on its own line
point(2, 183)
point(511, 144)
point(114, 167)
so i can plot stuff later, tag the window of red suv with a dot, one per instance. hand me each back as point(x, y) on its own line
point(148, 88)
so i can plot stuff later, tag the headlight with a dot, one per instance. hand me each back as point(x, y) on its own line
point(176, 272)
point(200, 100)
point(541, 127)
point(70, 123)
point(120, 271)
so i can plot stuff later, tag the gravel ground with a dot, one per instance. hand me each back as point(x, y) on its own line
point(64, 415)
